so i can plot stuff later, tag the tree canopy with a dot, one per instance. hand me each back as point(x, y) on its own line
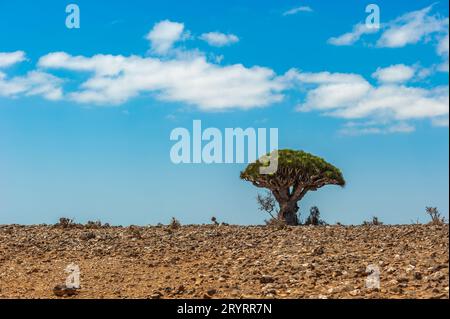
point(295, 167)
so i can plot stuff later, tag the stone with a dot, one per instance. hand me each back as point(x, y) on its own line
point(265, 279)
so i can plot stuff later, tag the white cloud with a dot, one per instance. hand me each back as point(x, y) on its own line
point(351, 97)
point(297, 10)
point(352, 37)
point(164, 35)
point(442, 50)
point(189, 77)
point(10, 58)
point(366, 128)
point(219, 39)
point(411, 28)
point(192, 80)
point(33, 83)
point(441, 121)
point(398, 73)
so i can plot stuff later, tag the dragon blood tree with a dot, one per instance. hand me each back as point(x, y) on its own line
point(298, 172)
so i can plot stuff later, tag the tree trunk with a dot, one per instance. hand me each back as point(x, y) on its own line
point(288, 212)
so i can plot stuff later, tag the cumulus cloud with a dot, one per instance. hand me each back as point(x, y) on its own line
point(351, 97)
point(387, 106)
point(33, 83)
point(10, 58)
point(297, 10)
point(193, 80)
point(164, 35)
point(398, 73)
point(219, 39)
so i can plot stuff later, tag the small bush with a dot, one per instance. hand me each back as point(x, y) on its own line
point(276, 223)
point(95, 225)
point(134, 232)
point(314, 217)
point(374, 222)
point(436, 217)
point(174, 223)
point(214, 221)
point(268, 204)
point(87, 236)
point(65, 223)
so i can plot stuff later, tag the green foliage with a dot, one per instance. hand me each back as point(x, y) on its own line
point(293, 167)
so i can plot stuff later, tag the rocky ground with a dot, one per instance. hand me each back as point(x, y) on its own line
point(212, 261)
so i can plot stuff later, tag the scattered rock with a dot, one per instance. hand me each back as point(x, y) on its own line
point(87, 236)
point(265, 279)
point(318, 251)
point(225, 262)
point(63, 290)
point(211, 292)
point(418, 275)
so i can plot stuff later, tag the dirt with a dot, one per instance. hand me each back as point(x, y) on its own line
point(221, 261)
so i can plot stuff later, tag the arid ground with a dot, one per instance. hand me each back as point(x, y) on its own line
point(212, 261)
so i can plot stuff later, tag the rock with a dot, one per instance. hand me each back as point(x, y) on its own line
point(156, 295)
point(265, 279)
point(211, 292)
point(63, 290)
point(87, 236)
point(181, 289)
point(355, 292)
point(417, 275)
point(238, 261)
point(318, 251)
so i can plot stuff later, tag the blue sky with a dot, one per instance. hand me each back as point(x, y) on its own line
point(86, 114)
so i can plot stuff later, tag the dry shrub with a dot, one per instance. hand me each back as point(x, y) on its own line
point(94, 225)
point(65, 223)
point(276, 223)
point(436, 217)
point(174, 223)
point(214, 221)
point(374, 222)
point(314, 217)
point(134, 232)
